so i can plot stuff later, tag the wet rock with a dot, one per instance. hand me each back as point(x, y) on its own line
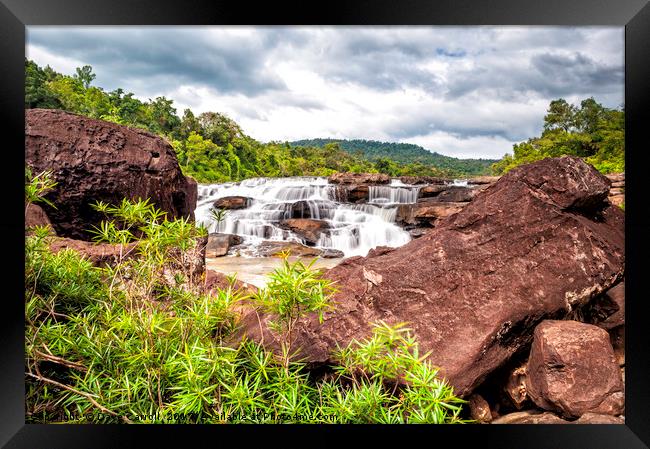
point(308, 229)
point(535, 245)
point(359, 178)
point(431, 190)
point(572, 370)
point(479, 409)
point(417, 232)
point(358, 193)
point(311, 209)
point(94, 160)
point(530, 417)
point(272, 248)
point(219, 244)
point(232, 202)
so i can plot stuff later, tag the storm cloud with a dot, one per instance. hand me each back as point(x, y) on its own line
point(461, 91)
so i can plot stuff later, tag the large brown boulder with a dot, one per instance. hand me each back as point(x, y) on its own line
point(94, 160)
point(358, 178)
point(572, 370)
point(307, 228)
point(531, 246)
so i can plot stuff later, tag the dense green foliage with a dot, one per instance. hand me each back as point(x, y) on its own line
point(142, 341)
point(414, 157)
point(590, 131)
point(213, 148)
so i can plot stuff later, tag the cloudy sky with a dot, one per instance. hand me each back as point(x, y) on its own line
point(460, 91)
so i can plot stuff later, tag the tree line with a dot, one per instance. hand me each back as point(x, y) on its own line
point(589, 131)
point(210, 146)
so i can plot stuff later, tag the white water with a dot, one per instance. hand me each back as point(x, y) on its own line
point(355, 228)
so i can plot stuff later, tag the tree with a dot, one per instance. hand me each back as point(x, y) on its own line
point(85, 75)
point(589, 115)
point(560, 114)
point(219, 128)
point(37, 92)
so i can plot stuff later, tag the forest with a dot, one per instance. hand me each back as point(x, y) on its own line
point(589, 131)
point(210, 146)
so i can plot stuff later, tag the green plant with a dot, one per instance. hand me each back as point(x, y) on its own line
point(37, 186)
point(293, 291)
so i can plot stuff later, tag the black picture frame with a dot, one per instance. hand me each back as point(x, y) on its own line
point(634, 15)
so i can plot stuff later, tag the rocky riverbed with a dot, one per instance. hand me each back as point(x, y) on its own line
point(515, 287)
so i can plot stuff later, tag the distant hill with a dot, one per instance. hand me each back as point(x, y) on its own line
point(404, 153)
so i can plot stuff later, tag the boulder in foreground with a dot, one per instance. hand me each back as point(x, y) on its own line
point(538, 243)
point(572, 370)
point(94, 160)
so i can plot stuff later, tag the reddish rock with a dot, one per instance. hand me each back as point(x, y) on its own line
point(572, 370)
point(431, 190)
point(607, 310)
point(423, 180)
point(457, 194)
point(483, 180)
point(94, 160)
point(479, 409)
point(308, 229)
point(36, 216)
point(425, 212)
point(617, 200)
point(532, 246)
point(617, 339)
point(218, 281)
point(530, 417)
point(274, 248)
point(357, 193)
point(595, 418)
point(515, 387)
point(232, 202)
point(359, 178)
point(99, 254)
point(219, 244)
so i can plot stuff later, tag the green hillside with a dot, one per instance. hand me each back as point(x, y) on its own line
point(404, 153)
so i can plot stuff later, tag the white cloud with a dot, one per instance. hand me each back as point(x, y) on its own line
point(461, 91)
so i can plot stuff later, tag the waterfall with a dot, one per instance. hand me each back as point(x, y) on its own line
point(354, 229)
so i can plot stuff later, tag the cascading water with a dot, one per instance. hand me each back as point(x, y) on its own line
point(354, 229)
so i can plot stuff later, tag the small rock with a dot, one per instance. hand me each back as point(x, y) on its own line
point(308, 229)
point(515, 387)
point(232, 202)
point(572, 370)
point(597, 418)
point(36, 216)
point(530, 417)
point(479, 409)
